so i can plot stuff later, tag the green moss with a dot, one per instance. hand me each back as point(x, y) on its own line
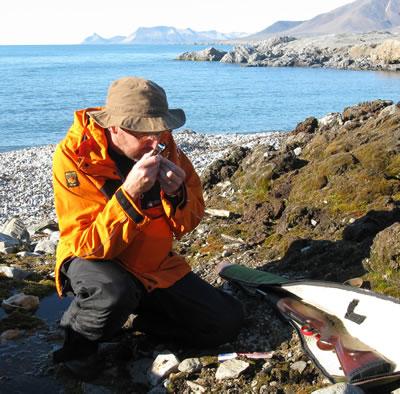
point(340, 202)
point(387, 284)
point(40, 289)
point(255, 190)
point(337, 164)
point(208, 360)
point(393, 169)
point(20, 320)
point(372, 156)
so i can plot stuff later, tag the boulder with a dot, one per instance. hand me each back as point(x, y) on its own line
point(46, 246)
point(162, 366)
point(8, 244)
point(16, 228)
point(209, 54)
point(13, 272)
point(385, 250)
point(307, 126)
point(21, 301)
point(231, 369)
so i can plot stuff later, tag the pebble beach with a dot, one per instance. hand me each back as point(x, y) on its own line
point(26, 182)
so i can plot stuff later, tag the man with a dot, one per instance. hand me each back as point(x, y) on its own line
point(119, 206)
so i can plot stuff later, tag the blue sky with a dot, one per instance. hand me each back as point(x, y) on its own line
point(69, 22)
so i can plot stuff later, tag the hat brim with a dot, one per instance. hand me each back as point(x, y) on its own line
point(173, 119)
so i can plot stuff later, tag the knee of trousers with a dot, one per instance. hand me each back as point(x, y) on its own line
point(116, 299)
point(100, 310)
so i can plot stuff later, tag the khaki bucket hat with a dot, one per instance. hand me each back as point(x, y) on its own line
point(139, 105)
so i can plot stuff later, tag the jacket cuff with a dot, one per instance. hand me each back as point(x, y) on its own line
point(178, 200)
point(128, 206)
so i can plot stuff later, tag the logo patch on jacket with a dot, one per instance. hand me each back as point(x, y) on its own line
point(72, 178)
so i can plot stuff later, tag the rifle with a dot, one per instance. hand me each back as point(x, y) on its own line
point(358, 360)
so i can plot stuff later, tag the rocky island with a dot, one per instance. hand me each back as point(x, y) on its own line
point(379, 51)
point(319, 202)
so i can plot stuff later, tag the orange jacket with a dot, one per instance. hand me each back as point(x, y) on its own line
point(99, 220)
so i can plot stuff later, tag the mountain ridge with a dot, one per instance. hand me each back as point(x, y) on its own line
point(163, 35)
point(360, 16)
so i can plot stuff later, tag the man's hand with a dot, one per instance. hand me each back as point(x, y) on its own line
point(142, 176)
point(170, 176)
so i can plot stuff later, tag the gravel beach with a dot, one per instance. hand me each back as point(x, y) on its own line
point(25, 175)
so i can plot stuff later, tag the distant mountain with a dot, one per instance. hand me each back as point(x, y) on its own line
point(359, 16)
point(95, 39)
point(164, 35)
point(276, 27)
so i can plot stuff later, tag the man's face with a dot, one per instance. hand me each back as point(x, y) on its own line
point(134, 144)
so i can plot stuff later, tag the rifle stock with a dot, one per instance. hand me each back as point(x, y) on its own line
point(358, 360)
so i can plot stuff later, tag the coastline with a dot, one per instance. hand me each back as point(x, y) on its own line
point(26, 179)
point(374, 51)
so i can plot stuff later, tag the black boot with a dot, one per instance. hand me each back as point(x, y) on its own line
point(75, 346)
point(79, 355)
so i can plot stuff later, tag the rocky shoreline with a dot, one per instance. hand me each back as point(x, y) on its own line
point(320, 202)
point(378, 51)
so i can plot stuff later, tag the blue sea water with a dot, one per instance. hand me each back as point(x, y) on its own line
point(41, 87)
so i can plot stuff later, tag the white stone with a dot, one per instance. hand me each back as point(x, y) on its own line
point(21, 301)
point(190, 365)
point(162, 366)
point(231, 369)
point(195, 387)
point(297, 151)
point(226, 253)
point(330, 120)
point(15, 228)
point(13, 272)
point(46, 246)
point(55, 236)
point(299, 366)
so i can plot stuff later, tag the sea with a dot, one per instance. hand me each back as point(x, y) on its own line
point(41, 87)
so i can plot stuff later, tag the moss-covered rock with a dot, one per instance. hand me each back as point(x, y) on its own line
point(385, 254)
point(317, 212)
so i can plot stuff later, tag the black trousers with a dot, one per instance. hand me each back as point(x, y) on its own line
point(191, 311)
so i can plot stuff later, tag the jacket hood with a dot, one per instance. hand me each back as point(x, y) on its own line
point(87, 145)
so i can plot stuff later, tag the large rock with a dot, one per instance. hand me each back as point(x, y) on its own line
point(385, 250)
point(231, 369)
point(13, 272)
point(209, 54)
point(388, 52)
point(8, 244)
point(46, 246)
point(239, 54)
point(21, 301)
point(162, 366)
point(224, 168)
point(16, 228)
